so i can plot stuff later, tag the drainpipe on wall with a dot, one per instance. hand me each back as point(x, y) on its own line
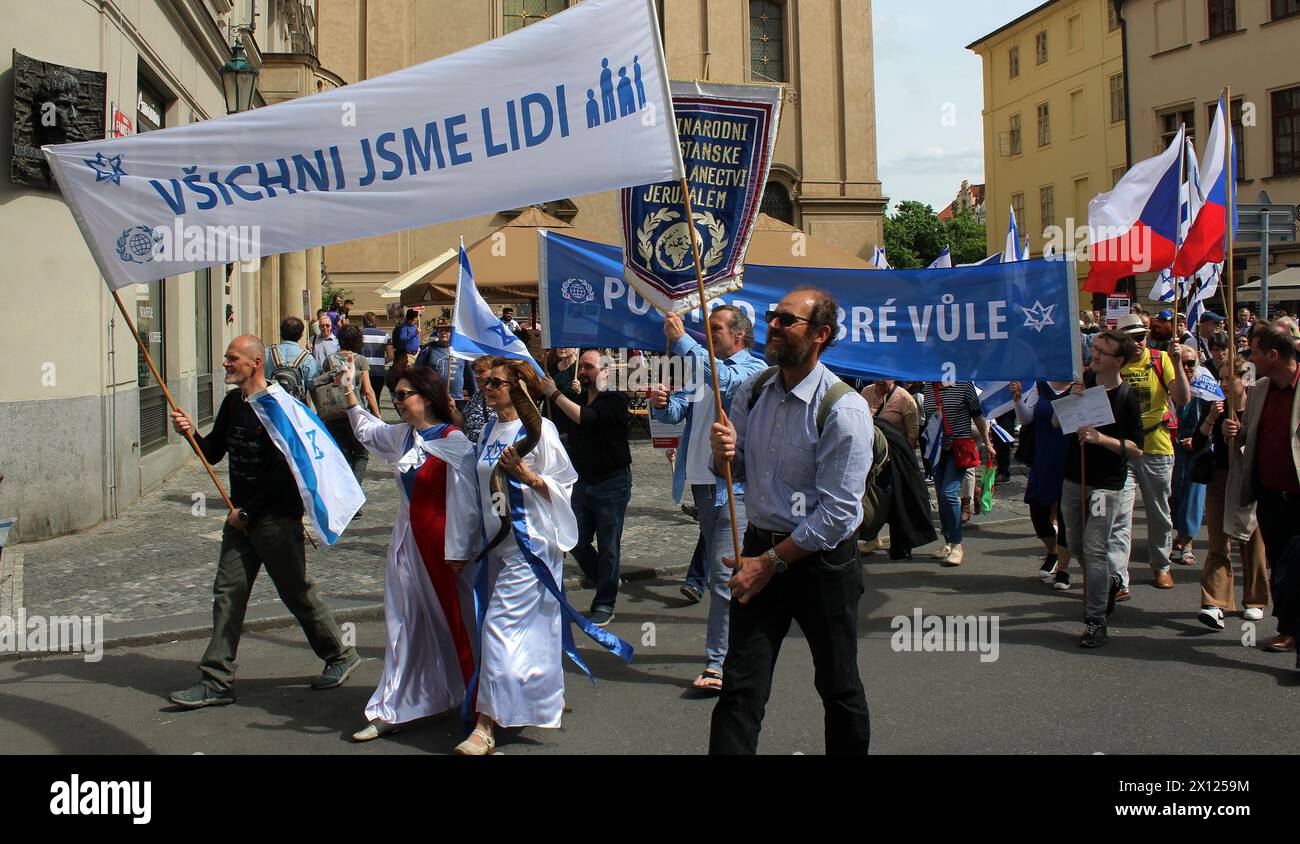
point(112, 419)
point(1128, 102)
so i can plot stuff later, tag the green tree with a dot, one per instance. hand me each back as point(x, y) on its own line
point(967, 238)
point(329, 291)
point(914, 236)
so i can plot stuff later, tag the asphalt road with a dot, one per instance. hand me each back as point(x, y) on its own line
point(1164, 684)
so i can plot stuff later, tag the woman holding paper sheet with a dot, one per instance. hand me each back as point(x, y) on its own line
point(1103, 453)
point(428, 601)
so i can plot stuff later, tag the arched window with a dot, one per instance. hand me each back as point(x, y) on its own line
point(777, 204)
point(517, 14)
point(767, 40)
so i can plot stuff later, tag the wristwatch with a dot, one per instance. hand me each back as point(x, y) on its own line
point(244, 517)
point(778, 564)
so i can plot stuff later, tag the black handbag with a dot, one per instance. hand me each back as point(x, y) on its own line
point(1025, 448)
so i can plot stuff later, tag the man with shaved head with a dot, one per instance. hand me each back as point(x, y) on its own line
point(264, 529)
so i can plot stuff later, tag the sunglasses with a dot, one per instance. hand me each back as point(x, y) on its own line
point(783, 318)
point(494, 383)
point(400, 396)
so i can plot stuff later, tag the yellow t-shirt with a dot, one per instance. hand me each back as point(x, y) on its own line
point(1153, 399)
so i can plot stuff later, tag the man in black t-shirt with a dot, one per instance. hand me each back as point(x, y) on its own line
point(264, 529)
point(599, 450)
point(1096, 465)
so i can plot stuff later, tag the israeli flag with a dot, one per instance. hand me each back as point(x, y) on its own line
point(944, 261)
point(1205, 286)
point(995, 398)
point(992, 259)
point(1011, 252)
point(476, 331)
point(5, 525)
point(933, 437)
point(330, 493)
point(1000, 432)
point(1206, 386)
point(1024, 253)
point(878, 260)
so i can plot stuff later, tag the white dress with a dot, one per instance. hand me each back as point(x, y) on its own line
point(423, 668)
point(521, 677)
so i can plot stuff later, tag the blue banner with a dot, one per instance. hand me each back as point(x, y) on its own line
point(995, 322)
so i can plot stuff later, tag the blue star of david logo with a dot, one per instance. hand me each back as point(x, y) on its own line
point(493, 452)
point(1038, 317)
point(499, 328)
point(107, 169)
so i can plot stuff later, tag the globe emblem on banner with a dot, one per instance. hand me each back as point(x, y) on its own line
point(577, 291)
point(666, 241)
point(136, 245)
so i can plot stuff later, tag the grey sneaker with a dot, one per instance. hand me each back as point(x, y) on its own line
point(200, 695)
point(335, 673)
point(601, 618)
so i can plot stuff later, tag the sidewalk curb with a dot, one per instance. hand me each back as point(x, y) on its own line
point(180, 628)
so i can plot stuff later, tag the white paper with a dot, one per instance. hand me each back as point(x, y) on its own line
point(1090, 410)
point(664, 434)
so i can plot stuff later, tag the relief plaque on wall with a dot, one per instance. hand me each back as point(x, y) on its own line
point(53, 104)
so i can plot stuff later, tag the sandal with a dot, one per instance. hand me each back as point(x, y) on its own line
point(708, 681)
point(469, 747)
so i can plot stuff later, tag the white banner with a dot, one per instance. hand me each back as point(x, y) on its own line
point(572, 105)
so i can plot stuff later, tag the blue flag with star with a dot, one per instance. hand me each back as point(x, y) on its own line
point(475, 330)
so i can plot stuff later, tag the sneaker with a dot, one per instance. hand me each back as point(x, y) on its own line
point(1252, 614)
point(1046, 570)
point(954, 557)
point(1115, 584)
point(1211, 617)
point(335, 673)
point(942, 553)
point(1094, 635)
point(691, 594)
point(200, 695)
point(601, 618)
point(1061, 581)
point(692, 511)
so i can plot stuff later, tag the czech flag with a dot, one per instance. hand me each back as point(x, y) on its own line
point(1134, 228)
point(1205, 241)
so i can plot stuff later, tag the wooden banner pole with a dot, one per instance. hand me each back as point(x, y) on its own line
point(144, 350)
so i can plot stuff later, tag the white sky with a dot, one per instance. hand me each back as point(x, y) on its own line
point(924, 71)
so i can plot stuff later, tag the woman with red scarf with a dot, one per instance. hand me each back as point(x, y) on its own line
point(428, 598)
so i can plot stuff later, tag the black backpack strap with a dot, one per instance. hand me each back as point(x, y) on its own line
point(759, 383)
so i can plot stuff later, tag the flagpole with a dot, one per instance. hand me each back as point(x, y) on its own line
point(1229, 295)
point(713, 362)
point(189, 435)
point(1182, 176)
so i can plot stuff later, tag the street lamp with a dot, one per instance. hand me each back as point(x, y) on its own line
point(239, 80)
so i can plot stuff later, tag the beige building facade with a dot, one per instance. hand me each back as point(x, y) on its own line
point(1054, 120)
point(86, 431)
point(823, 177)
point(1181, 55)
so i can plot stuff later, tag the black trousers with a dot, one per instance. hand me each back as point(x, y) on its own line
point(821, 594)
point(1279, 528)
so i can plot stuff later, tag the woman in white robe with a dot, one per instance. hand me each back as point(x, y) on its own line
point(521, 676)
point(428, 599)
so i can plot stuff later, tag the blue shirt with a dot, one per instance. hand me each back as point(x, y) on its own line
point(406, 338)
point(731, 371)
point(798, 483)
point(288, 354)
point(439, 359)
